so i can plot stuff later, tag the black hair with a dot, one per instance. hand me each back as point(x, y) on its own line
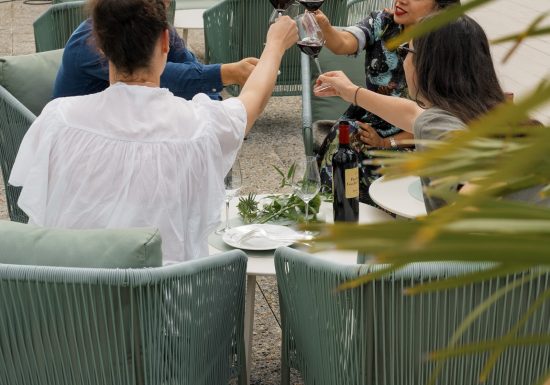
point(126, 31)
point(454, 69)
point(441, 4)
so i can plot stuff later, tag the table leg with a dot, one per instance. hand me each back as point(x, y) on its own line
point(249, 321)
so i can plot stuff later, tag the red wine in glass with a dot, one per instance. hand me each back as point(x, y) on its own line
point(311, 37)
point(310, 47)
point(312, 5)
point(281, 5)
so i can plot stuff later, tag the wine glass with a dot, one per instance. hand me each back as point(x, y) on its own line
point(233, 183)
point(306, 180)
point(292, 10)
point(280, 7)
point(311, 37)
point(312, 5)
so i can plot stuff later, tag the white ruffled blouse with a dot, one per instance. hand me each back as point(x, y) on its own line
point(131, 156)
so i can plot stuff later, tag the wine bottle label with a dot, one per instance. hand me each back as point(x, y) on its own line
point(352, 182)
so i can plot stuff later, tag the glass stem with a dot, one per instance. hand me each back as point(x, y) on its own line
point(226, 215)
point(316, 60)
point(307, 211)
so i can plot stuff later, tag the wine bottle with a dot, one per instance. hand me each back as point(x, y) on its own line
point(345, 179)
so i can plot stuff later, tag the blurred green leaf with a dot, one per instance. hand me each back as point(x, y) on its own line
point(511, 335)
point(541, 339)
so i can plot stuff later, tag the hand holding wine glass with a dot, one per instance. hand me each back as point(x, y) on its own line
point(306, 180)
point(312, 39)
point(233, 183)
point(282, 33)
point(335, 83)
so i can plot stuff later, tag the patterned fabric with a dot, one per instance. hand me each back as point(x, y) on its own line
point(384, 75)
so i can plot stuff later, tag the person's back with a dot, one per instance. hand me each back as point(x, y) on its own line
point(135, 154)
point(124, 169)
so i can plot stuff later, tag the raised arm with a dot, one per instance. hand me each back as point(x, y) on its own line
point(185, 76)
point(400, 112)
point(339, 42)
point(282, 35)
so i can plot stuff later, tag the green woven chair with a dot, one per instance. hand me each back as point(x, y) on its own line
point(359, 9)
point(234, 29)
point(376, 335)
point(26, 84)
point(53, 28)
point(179, 324)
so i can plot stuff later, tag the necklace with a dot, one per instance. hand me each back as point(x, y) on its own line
point(138, 83)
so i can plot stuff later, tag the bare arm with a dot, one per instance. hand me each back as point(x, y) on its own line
point(238, 72)
point(339, 42)
point(255, 94)
point(400, 112)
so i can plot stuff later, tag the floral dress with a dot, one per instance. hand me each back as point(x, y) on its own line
point(384, 75)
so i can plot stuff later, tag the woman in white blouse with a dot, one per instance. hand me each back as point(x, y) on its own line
point(135, 154)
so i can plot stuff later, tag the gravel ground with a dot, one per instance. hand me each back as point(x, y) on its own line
point(274, 140)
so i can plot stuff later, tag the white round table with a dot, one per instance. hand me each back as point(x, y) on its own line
point(263, 263)
point(402, 196)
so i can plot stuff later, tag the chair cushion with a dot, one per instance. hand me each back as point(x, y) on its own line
point(30, 78)
point(23, 244)
point(353, 67)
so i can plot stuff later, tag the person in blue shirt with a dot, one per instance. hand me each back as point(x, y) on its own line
point(84, 70)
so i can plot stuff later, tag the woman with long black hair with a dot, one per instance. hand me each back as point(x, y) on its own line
point(383, 74)
point(451, 81)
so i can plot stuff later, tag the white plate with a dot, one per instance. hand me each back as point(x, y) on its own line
point(260, 242)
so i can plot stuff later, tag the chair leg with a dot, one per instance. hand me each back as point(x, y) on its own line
point(244, 374)
point(285, 368)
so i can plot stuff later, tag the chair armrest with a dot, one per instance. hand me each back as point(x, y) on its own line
point(15, 120)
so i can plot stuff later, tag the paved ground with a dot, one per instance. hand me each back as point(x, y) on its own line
point(276, 138)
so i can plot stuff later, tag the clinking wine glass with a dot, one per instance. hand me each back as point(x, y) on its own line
point(311, 37)
point(306, 181)
point(280, 7)
point(312, 5)
point(233, 183)
point(292, 10)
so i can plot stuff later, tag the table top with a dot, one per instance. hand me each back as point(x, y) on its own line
point(189, 18)
point(402, 196)
point(262, 262)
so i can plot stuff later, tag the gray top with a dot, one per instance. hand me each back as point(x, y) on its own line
point(434, 124)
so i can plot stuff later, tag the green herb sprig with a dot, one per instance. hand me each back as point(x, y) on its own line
point(285, 207)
